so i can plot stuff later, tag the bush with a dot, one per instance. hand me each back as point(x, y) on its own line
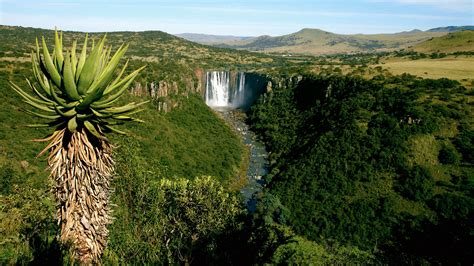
point(7, 178)
point(300, 251)
point(448, 155)
point(27, 228)
point(165, 221)
point(464, 142)
point(416, 184)
point(193, 214)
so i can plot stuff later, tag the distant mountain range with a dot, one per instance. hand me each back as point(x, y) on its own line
point(451, 28)
point(211, 39)
point(316, 41)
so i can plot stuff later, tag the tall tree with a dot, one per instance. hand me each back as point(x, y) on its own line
point(77, 95)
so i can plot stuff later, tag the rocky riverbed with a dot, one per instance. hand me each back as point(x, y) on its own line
point(258, 163)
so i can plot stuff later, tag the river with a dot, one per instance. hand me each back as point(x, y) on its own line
point(258, 163)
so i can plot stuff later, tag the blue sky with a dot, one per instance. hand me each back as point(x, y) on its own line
point(241, 17)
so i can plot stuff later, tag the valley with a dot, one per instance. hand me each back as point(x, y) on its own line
point(308, 148)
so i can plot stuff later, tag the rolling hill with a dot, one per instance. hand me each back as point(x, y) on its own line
point(171, 54)
point(211, 39)
point(317, 42)
point(462, 41)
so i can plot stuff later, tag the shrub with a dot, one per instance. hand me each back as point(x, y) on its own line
point(448, 155)
point(7, 178)
point(464, 142)
point(27, 228)
point(416, 184)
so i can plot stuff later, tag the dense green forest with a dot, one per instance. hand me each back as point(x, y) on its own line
point(384, 164)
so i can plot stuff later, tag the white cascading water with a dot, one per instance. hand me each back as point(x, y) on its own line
point(221, 93)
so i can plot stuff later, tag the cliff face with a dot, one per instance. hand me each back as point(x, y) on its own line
point(161, 91)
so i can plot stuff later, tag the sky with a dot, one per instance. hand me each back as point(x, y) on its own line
point(238, 17)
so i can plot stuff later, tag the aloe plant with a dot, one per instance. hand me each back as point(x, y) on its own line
point(76, 95)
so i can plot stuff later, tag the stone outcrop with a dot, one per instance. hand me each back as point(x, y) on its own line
point(160, 90)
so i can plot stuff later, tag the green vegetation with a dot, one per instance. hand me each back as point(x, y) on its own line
point(366, 167)
point(459, 68)
point(462, 41)
point(166, 221)
point(343, 168)
point(173, 144)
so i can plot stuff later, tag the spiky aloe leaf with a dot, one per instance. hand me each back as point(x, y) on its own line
point(58, 49)
point(61, 101)
point(125, 81)
point(50, 117)
point(79, 93)
point(69, 84)
point(28, 97)
point(89, 71)
point(97, 88)
point(123, 109)
point(50, 68)
point(39, 76)
point(112, 129)
point(65, 113)
point(73, 58)
point(80, 65)
point(91, 128)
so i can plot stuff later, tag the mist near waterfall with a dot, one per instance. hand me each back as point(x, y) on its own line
point(226, 92)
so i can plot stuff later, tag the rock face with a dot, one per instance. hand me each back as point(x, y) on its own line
point(160, 90)
point(255, 85)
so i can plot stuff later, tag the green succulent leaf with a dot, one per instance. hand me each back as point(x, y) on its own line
point(89, 71)
point(50, 68)
point(79, 92)
point(80, 65)
point(58, 48)
point(72, 124)
point(69, 84)
point(51, 117)
point(63, 113)
point(90, 127)
point(112, 129)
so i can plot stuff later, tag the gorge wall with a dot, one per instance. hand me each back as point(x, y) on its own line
point(220, 89)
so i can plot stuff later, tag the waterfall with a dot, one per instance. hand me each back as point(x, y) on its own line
point(223, 91)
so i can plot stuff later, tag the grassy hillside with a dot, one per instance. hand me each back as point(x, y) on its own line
point(462, 41)
point(170, 58)
point(315, 41)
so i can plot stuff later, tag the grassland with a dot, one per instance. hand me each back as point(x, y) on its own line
point(462, 41)
point(458, 68)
